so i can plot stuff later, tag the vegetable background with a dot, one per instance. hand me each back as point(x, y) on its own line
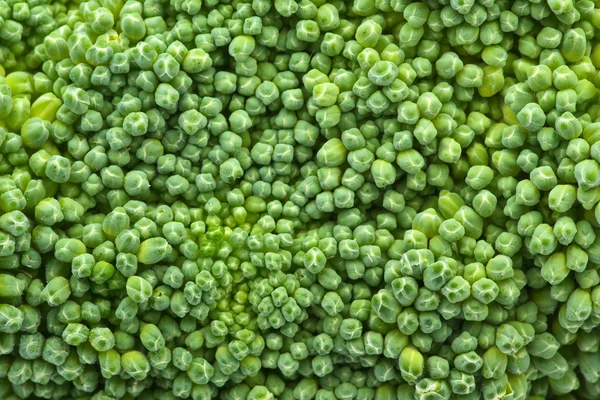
point(255, 199)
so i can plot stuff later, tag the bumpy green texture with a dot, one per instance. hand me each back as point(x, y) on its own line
point(300, 199)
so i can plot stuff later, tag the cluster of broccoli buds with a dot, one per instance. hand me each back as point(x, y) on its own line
point(295, 200)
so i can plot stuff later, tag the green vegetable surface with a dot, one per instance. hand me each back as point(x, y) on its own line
point(300, 199)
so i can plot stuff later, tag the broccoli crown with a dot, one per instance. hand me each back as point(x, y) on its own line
point(300, 199)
